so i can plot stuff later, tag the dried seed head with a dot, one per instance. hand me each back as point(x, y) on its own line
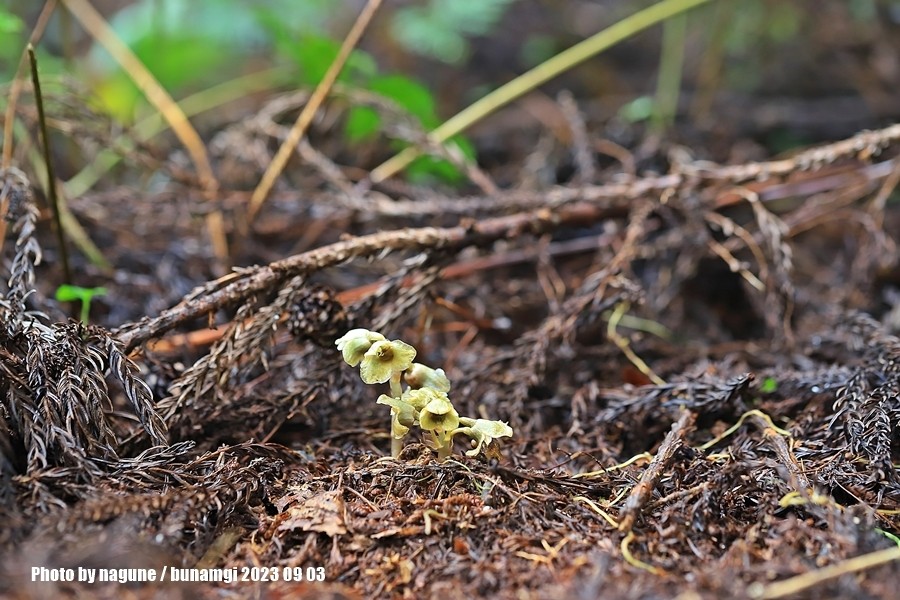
point(316, 314)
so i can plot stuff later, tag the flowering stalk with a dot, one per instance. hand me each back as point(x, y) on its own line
point(424, 403)
point(396, 392)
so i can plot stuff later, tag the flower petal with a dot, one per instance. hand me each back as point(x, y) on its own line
point(353, 334)
point(355, 343)
point(439, 414)
point(385, 358)
point(421, 398)
point(492, 429)
point(403, 355)
point(403, 415)
point(421, 376)
point(373, 370)
point(405, 411)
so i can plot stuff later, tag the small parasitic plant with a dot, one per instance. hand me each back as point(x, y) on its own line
point(424, 402)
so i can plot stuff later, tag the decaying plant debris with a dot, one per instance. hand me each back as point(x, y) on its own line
point(751, 294)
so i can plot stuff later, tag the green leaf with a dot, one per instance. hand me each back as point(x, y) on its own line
point(438, 29)
point(362, 123)
point(769, 385)
point(118, 96)
point(473, 17)
point(10, 23)
point(408, 94)
point(70, 293)
point(426, 169)
point(184, 59)
point(889, 535)
point(639, 109)
point(419, 31)
point(315, 53)
point(11, 43)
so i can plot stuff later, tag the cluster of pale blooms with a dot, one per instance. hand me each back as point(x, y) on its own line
point(424, 402)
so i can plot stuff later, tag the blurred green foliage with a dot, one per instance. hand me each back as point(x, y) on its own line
point(439, 28)
point(189, 46)
point(11, 41)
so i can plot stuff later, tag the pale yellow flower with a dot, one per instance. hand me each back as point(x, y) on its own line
point(384, 358)
point(355, 343)
point(420, 376)
point(483, 432)
point(403, 415)
point(439, 415)
point(421, 398)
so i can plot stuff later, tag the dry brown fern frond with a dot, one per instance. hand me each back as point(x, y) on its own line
point(53, 378)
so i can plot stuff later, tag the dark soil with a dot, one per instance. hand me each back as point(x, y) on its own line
point(699, 362)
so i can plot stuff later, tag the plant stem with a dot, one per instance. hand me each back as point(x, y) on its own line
point(443, 449)
point(396, 447)
point(396, 392)
point(668, 83)
point(444, 452)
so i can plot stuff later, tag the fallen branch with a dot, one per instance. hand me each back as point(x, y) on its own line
point(251, 281)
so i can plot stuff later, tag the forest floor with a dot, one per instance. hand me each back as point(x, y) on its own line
point(695, 345)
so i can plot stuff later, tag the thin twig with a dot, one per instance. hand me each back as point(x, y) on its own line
point(51, 177)
point(12, 101)
point(95, 25)
point(640, 493)
point(542, 73)
point(251, 281)
point(309, 110)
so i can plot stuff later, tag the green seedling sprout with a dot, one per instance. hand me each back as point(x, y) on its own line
point(424, 402)
point(769, 385)
point(71, 293)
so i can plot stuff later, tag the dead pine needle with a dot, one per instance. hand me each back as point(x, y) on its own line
point(593, 506)
point(766, 419)
point(625, 347)
point(644, 456)
point(799, 583)
point(634, 561)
